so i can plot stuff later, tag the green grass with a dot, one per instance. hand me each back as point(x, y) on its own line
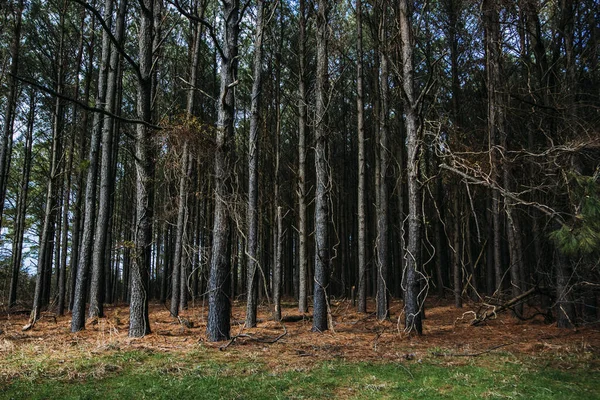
point(153, 375)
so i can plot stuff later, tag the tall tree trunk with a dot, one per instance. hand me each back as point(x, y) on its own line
point(11, 105)
point(301, 191)
point(494, 123)
point(277, 269)
point(85, 255)
point(362, 256)
point(458, 250)
point(253, 155)
point(64, 241)
point(81, 148)
point(412, 300)
point(323, 183)
point(139, 324)
point(219, 304)
point(17, 248)
point(47, 237)
point(99, 264)
point(383, 256)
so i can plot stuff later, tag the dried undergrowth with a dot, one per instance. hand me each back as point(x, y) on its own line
point(50, 349)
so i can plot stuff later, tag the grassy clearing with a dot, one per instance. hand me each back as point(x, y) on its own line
point(148, 374)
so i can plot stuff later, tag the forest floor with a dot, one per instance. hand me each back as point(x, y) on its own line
point(50, 350)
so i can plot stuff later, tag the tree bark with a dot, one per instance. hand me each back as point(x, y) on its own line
point(139, 324)
point(99, 263)
point(301, 191)
point(17, 248)
point(323, 184)
point(494, 122)
point(362, 257)
point(85, 255)
point(253, 155)
point(11, 105)
point(412, 300)
point(383, 206)
point(219, 304)
point(277, 269)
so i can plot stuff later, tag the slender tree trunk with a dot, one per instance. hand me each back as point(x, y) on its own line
point(17, 248)
point(177, 275)
point(458, 251)
point(11, 105)
point(323, 175)
point(301, 191)
point(362, 256)
point(46, 241)
point(47, 237)
point(383, 256)
point(277, 269)
point(99, 264)
point(64, 242)
point(219, 304)
point(494, 123)
point(253, 155)
point(85, 255)
point(81, 148)
point(412, 301)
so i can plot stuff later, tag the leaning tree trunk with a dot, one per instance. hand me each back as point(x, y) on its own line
point(139, 323)
point(253, 154)
point(323, 184)
point(85, 252)
point(219, 305)
point(412, 300)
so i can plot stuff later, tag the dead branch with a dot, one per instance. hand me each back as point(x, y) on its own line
point(492, 310)
point(255, 339)
point(472, 354)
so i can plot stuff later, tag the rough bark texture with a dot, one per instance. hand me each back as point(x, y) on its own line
point(383, 256)
point(277, 269)
point(85, 253)
point(412, 300)
point(457, 270)
point(253, 154)
point(17, 248)
point(99, 262)
point(219, 304)
point(139, 324)
point(43, 279)
point(176, 277)
point(494, 123)
point(323, 184)
point(362, 256)
point(11, 104)
point(301, 192)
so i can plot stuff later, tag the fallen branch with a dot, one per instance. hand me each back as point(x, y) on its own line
point(493, 310)
point(256, 339)
point(472, 354)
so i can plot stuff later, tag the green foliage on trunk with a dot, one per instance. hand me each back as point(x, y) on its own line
point(581, 236)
